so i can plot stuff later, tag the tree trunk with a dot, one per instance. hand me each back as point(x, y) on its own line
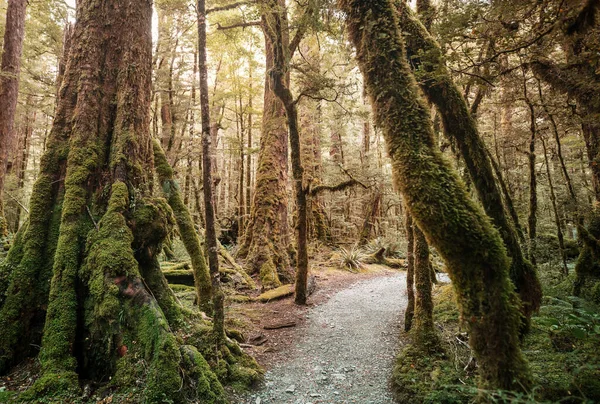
point(532, 218)
point(266, 242)
point(409, 313)
point(14, 32)
point(218, 297)
point(559, 232)
point(274, 28)
point(453, 223)
point(423, 328)
point(462, 128)
point(96, 229)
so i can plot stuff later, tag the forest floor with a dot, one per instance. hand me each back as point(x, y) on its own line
point(342, 347)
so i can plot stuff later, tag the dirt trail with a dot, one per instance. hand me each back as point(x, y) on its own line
point(347, 349)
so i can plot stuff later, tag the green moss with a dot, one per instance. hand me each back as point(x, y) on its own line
point(209, 389)
point(426, 378)
point(437, 199)
point(180, 276)
point(61, 386)
point(186, 227)
point(268, 275)
point(277, 293)
point(29, 272)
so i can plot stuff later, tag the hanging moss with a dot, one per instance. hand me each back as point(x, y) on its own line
point(186, 227)
point(437, 199)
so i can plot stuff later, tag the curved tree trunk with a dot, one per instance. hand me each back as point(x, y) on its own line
point(437, 199)
point(459, 125)
point(14, 32)
point(96, 230)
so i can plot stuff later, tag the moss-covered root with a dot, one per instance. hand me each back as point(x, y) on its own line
point(186, 227)
point(437, 199)
point(436, 82)
point(235, 267)
point(229, 362)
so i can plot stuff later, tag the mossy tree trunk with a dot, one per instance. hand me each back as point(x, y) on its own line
point(436, 82)
point(187, 230)
point(274, 25)
point(266, 241)
point(423, 328)
point(14, 33)
point(409, 313)
point(89, 252)
point(437, 199)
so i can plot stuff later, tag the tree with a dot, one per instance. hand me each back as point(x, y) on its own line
point(10, 67)
point(452, 222)
point(209, 212)
point(266, 241)
point(460, 126)
point(95, 231)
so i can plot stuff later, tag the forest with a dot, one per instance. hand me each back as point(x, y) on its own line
point(299, 201)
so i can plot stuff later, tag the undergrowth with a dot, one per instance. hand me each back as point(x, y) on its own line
point(562, 348)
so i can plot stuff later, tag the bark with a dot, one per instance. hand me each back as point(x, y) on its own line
point(532, 218)
point(423, 327)
point(460, 126)
point(218, 296)
point(10, 67)
point(437, 199)
point(266, 242)
point(187, 230)
point(95, 231)
point(274, 26)
point(559, 231)
point(409, 313)
point(372, 211)
point(249, 154)
point(23, 157)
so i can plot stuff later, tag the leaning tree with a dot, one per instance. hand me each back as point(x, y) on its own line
point(437, 200)
point(83, 275)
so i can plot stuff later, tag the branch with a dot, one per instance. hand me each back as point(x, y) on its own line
point(238, 25)
point(334, 188)
point(231, 6)
point(302, 28)
point(18, 202)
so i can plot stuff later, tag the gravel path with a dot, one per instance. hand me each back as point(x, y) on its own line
point(347, 352)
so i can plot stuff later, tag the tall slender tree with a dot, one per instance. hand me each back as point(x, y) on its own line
point(218, 297)
point(10, 67)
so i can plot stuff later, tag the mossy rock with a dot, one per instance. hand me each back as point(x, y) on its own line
point(275, 294)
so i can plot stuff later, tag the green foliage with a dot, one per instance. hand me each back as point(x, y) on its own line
point(351, 259)
point(570, 316)
point(561, 348)
point(393, 247)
